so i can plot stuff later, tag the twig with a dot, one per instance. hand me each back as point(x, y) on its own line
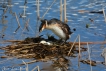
point(79, 56)
point(61, 10)
point(104, 55)
point(76, 43)
point(72, 45)
point(38, 15)
point(104, 14)
point(37, 67)
point(48, 9)
point(26, 25)
point(31, 28)
point(24, 15)
point(3, 61)
point(26, 65)
point(17, 22)
point(65, 19)
point(17, 29)
point(13, 41)
point(29, 44)
point(89, 56)
point(84, 43)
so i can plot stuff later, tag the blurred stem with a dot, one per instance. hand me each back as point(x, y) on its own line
point(89, 55)
point(65, 19)
point(79, 56)
point(104, 14)
point(48, 8)
point(61, 10)
point(38, 15)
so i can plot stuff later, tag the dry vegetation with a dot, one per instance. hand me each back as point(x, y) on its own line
point(32, 48)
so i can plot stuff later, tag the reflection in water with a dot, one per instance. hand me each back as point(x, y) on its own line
point(23, 14)
point(3, 21)
point(3, 18)
point(2, 31)
point(26, 25)
point(59, 64)
point(7, 7)
point(10, 7)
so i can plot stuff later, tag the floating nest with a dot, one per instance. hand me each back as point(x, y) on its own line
point(40, 48)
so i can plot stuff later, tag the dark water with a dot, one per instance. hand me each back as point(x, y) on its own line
point(95, 32)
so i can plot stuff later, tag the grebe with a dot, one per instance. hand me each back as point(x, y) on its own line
point(61, 29)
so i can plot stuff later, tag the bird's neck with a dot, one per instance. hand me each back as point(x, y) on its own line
point(50, 27)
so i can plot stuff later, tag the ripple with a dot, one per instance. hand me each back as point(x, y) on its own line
point(68, 16)
point(28, 13)
point(100, 29)
point(16, 3)
point(23, 7)
point(98, 20)
point(75, 14)
point(90, 14)
point(73, 7)
point(93, 27)
point(84, 16)
point(10, 5)
point(81, 2)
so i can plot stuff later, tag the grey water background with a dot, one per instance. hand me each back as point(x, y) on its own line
point(95, 32)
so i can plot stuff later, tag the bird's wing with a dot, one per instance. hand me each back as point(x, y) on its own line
point(66, 28)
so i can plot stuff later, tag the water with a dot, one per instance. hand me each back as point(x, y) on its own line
point(76, 19)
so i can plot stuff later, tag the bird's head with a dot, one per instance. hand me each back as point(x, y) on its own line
point(43, 25)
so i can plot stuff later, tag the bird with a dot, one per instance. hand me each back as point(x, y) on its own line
point(59, 28)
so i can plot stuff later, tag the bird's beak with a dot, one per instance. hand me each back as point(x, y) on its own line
point(41, 28)
point(43, 25)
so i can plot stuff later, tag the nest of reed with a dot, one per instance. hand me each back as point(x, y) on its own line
point(33, 48)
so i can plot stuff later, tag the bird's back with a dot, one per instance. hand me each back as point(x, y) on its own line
point(61, 24)
point(54, 21)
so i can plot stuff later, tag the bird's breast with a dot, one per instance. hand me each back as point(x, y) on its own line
point(58, 31)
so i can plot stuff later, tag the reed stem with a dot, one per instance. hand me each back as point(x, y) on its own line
point(48, 9)
point(104, 14)
point(61, 10)
point(17, 23)
point(89, 56)
point(79, 56)
point(38, 15)
point(72, 46)
point(65, 19)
